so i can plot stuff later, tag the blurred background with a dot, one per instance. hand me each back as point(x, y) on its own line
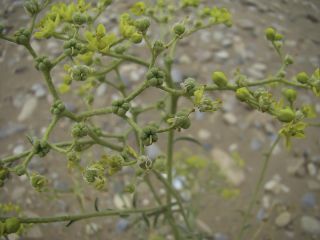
point(290, 201)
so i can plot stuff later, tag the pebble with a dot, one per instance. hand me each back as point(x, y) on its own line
point(283, 219)
point(312, 169)
point(10, 129)
point(298, 168)
point(275, 186)
point(309, 200)
point(310, 225)
point(18, 149)
point(39, 90)
point(234, 174)
point(185, 59)
point(34, 232)
point(28, 109)
point(122, 225)
point(246, 24)
point(101, 90)
point(230, 118)
point(221, 236)
point(204, 134)
point(153, 151)
point(92, 228)
point(262, 215)
point(255, 144)
point(176, 75)
point(222, 55)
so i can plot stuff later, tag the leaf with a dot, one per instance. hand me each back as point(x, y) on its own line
point(96, 202)
point(198, 95)
point(69, 223)
point(63, 88)
point(189, 139)
point(146, 220)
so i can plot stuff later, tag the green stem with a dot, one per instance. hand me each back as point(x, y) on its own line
point(102, 142)
point(247, 214)
point(176, 196)
point(66, 218)
point(51, 87)
point(50, 127)
point(128, 58)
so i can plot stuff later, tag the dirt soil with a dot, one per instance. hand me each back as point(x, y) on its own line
point(234, 129)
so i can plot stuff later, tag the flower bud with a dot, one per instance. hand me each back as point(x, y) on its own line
point(80, 72)
point(20, 170)
point(32, 7)
point(149, 135)
point(79, 18)
point(120, 49)
point(220, 79)
point(270, 34)
point(43, 64)
point(290, 94)
point(12, 225)
point(278, 37)
point(286, 115)
point(155, 77)
point(182, 120)
point(288, 60)
point(79, 130)
point(41, 147)
point(142, 24)
point(38, 182)
point(243, 94)
point(136, 38)
point(120, 107)
point(57, 108)
point(302, 77)
point(158, 46)
point(4, 173)
point(179, 29)
point(190, 86)
point(22, 36)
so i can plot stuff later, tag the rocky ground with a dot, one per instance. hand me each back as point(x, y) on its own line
point(289, 206)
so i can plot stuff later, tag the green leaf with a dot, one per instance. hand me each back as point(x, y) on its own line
point(189, 139)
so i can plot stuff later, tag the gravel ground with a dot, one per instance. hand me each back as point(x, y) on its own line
point(289, 206)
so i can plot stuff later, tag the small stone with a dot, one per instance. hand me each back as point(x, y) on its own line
point(228, 167)
point(28, 109)
point(255, 144)
point(275, 186)
point(309, 200)
point(310, 225)
point(18, 149)
point(222, 55)
point(204, 134)
point(185, 59)
point(230, 118)
point(153, 151)
point(312, 169)
point(176, 75)
point(262, 215)
point(39, 90)
point(122, 225)
point(92, 228)
point(221, 236)
point(101, 90)
point(298, 169)
point(246, 24)
point(283, 219)
point(11, 129)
